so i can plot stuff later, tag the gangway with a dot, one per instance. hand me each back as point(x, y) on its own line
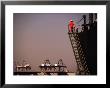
point(82, 68)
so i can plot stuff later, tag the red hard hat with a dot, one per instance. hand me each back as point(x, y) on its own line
point(71, 20)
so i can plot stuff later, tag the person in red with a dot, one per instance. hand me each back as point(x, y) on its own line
point(71, 26)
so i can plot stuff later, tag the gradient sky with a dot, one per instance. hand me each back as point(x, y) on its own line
point(40, 36)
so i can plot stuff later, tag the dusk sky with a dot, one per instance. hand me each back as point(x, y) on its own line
point(41, 36)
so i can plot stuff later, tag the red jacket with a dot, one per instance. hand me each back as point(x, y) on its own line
point(71, 24)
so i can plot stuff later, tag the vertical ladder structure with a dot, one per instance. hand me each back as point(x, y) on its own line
point(60, 63)
point(82, 68)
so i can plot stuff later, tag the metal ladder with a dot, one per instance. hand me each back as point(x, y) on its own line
point(82, 68)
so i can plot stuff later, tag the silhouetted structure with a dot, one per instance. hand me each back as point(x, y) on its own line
point(47, 68)
point(84, 46)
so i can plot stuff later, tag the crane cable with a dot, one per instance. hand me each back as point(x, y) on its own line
point(79, 21)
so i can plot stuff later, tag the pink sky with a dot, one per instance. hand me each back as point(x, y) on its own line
point(40, 36)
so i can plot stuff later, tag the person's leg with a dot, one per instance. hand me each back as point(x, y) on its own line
point(71, 29)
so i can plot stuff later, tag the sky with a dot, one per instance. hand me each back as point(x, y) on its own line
point(41, 36)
